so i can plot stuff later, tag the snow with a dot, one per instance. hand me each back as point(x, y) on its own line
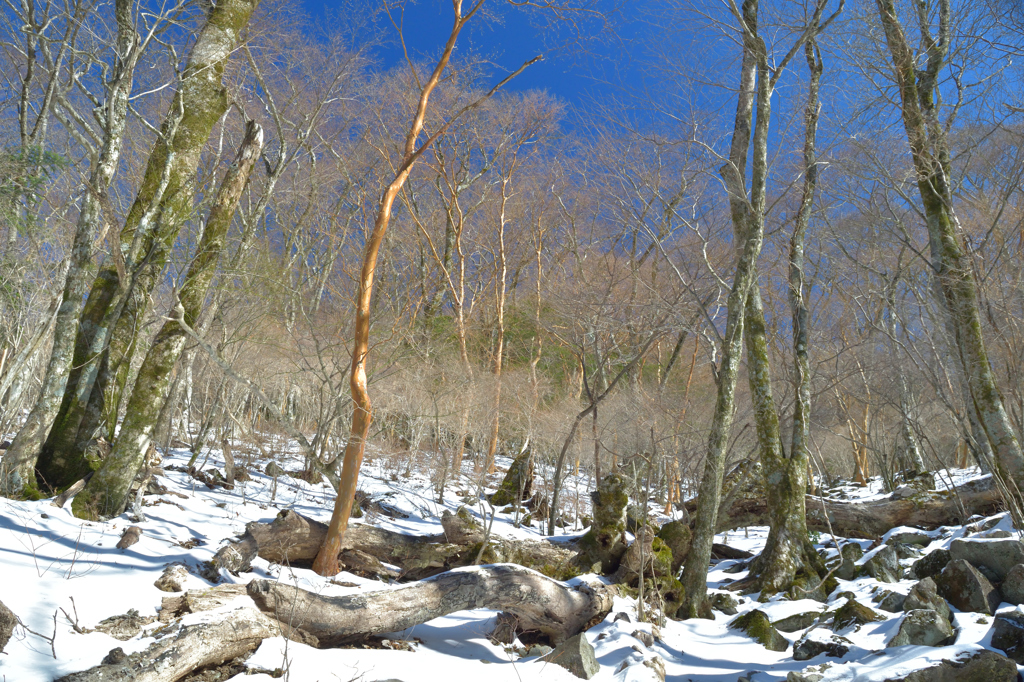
point(60, 572)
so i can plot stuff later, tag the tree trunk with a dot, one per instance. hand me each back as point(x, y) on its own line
point(192, 647)
point(107, 492)
point(539, 603)
point(873, 519)
point(929, 147)
point(20, 460)
point(163, 203)
point(788, 551)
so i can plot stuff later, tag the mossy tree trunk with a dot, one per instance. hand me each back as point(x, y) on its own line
point(788, 553)
point(95, 216)
point(745, 319)
point(107, 491)
point(917, 72)
point(164, 201)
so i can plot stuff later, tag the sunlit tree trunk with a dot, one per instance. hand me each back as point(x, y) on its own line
point(21, 458)
point(163, 203)
point(107, 491)
point(917, 72)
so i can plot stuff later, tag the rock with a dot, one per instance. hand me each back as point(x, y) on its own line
point(518, 482)
point(850, 554)
point(575, 655)
point(925, 595)
point(930, 565)
point(621, 615)
point(8, 621)
point(963, 586)
point(904, 551)
point(981, 666)
point(884, 565)
point(890, 601)
point(1012, 588)
point(923, 627)
point(646, 638)
point(605, 542)
point(854, 613)
point(273, 469)
point(799, 621)
point(819, 641)
point(724, 602)
point(910, 538)
point(757, 626)
point(999, 555)
point(794, 676)
point(173, 579)
point(129, 537)
point(677, 535)
point(1008, 634)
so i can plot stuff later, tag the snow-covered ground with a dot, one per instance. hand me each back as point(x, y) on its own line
point(59, 574)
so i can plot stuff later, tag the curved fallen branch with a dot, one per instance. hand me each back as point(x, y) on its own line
point(539, 603)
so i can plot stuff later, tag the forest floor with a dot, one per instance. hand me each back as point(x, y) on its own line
point(62, 576)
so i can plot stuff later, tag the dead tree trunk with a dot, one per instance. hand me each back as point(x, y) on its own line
point(294, 540)
point(192, 647)
point(539, 603)
point(873, 519)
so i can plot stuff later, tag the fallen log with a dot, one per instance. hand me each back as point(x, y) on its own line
point(870, 520)
point(293, 539)
point(226, 637)
point(539, 603)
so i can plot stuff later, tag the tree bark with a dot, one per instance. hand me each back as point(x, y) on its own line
point(917, 73)
point(539, 603)
point(195, 646)
point(873, 519)
point(163, 202)
point(107, 492)
point(292, 539)
point(17, 470)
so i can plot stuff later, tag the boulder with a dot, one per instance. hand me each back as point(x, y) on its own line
point(173, 579)
point(820, 641)
point(854, 613)
point(8, 621)
point(724, 602)
point(884, 565)
point(796, 622)
point(980, 666)
point(1008, 634)
point(575, 655)
point(930, 565)
point(923, 627)
point(677, 535)
point(850, 554)
point(757, 626)
point(890, 601)
point(918, 538)
point(963, 586)
point(518, 482)
point(1012, 588)
point(605, 542)
point(998, 555)
point(925, 595)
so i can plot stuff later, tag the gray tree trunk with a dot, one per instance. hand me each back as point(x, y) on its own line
point(17, 470)
point(107, 492)
point(163, 202)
